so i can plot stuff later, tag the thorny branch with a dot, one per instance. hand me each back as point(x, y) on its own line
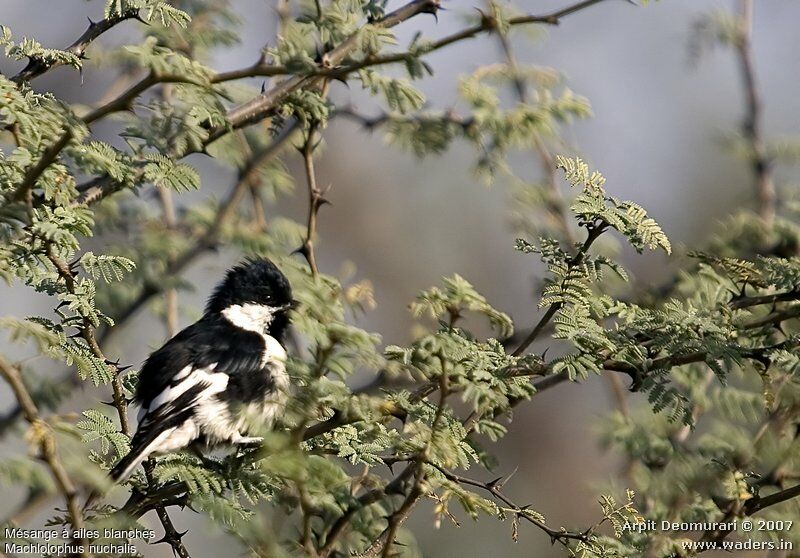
point(752, 124)
point(87, 332)
point(316, 198)
point(171, 535)
point(37, 66)
point(265, 104)
point(594, 232)
point(46, 442)
point(495, 489)
point(202, 244)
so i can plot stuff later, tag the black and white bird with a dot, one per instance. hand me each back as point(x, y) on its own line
point(220, 374)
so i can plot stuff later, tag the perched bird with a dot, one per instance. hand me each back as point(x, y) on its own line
point(220, 374)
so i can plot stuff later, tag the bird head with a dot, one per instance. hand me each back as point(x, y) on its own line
point(256, 289)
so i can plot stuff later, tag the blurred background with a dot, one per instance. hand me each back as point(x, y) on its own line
point(403, 223)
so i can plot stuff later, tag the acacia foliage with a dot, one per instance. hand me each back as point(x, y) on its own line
point(345, 466)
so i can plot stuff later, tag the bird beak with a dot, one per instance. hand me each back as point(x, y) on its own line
point(289, 306)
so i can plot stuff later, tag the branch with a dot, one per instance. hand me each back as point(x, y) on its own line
point(264, 105)
point(494, 488)
point(370, 123)
point(37, 66)
point(758, 503)
point(594, 233)
point(171, 535)
point(748, 301)
point(752, 125)
point(208, 240)
point(46, 441)
point(342, 523)
point(487, 24)
point(315, 200)
point(383, 544)
point(87, 332)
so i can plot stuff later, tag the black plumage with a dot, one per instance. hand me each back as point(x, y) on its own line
point(209, 341)
point(199, 384)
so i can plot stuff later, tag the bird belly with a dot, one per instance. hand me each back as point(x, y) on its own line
point(222, 419)
point(261, 413)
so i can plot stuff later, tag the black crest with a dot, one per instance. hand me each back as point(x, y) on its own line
point(256, 281)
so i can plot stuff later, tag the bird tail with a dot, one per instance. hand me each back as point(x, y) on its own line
point(140, 450)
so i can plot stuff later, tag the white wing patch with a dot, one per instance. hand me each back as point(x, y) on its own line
point(216, 383)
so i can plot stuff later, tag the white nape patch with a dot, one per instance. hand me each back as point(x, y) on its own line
point(252, 317)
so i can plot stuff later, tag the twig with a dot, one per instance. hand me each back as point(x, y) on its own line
point(265, 104)
point(88, 334)
point(171, 535)
point(315, 199)
point(494, 488)
point(46, 442)
point(37, 66)
point(752, 125)
point(342, 523)
point(594, 233)
point(486, 24)
point(209, 238)
point(748, 301)
point(758, 503)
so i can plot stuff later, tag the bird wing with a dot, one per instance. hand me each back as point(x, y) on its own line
point(207, 359)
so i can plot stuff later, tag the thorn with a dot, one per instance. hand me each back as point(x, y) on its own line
point(162, 540)
point(109, 403)
point(263, 87)
point(303, 251)
point(320, 201)
point(500, 485)
point(433, 8)
point(91, 23)
point(494, 483)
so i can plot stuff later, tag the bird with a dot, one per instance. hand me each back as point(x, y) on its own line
point(216, 377)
